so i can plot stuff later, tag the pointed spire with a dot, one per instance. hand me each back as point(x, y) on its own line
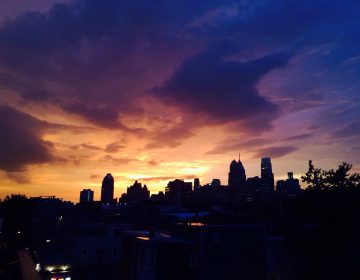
point(239, 157)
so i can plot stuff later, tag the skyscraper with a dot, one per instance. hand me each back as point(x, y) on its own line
point(107, 189)
point(86, 195)
point(289, 187)
point(177, 190)
point(267, 175)
point(196, 184)
point(237, 176)
point(137, 193)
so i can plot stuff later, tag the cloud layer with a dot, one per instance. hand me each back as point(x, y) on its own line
point(164, 73)
point(20, 141)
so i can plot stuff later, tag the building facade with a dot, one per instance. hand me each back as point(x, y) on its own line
point(237, 176)
point(86, 195)
point(107, 189)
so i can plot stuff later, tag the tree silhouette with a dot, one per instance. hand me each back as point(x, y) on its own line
point(16, 211)
point(317, 178)
point(314, 177)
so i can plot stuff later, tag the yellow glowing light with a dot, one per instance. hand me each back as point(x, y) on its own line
point(143, 238)
point(193, 170)
point(137, 176)
point(64, 267)
point(196, 224)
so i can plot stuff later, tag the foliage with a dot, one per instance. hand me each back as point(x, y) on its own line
point(317, 178)
point(16, 211)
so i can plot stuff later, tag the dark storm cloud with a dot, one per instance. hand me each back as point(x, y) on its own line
point(96, 60)
point(20, 142)
point(223, 90)
point(76, 47)
point(45, 47)
point(105, 117)
point(274, 152)
point(67, 25)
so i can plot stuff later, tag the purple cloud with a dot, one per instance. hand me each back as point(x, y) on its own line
point(21, 144)
point(274, 152)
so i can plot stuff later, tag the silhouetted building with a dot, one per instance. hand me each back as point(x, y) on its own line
point(216, 183)
point(86, 195)
point(267, 175)
point(158, 255)
point(290, 187)
point(232, 252)
point(107, 189)
point(177, 189)
point(254, 183)
point(196, 184)
point(96, 250)
point(137, 193)
point(237, 176)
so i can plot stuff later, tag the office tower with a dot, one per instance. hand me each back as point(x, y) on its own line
point(137, 193)
point(86, 195)
point(267, 175)
point(196, 184)
point(177, 190)
point(216, 183)
point(107, 189)
point(237, 176)
point(289, 187)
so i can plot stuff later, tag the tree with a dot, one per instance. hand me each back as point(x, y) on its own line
point(314, 177)
point(340, 178)
point(16, 212)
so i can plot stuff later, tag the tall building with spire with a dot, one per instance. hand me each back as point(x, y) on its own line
point(107, 189)
point(237, 176)
point(267, 175)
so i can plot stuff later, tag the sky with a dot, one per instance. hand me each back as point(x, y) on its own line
point(158, 90)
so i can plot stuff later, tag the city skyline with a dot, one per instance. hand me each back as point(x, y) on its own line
point(158, 91)
point(107, 193)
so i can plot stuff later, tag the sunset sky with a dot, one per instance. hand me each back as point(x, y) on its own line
point(157, 90)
